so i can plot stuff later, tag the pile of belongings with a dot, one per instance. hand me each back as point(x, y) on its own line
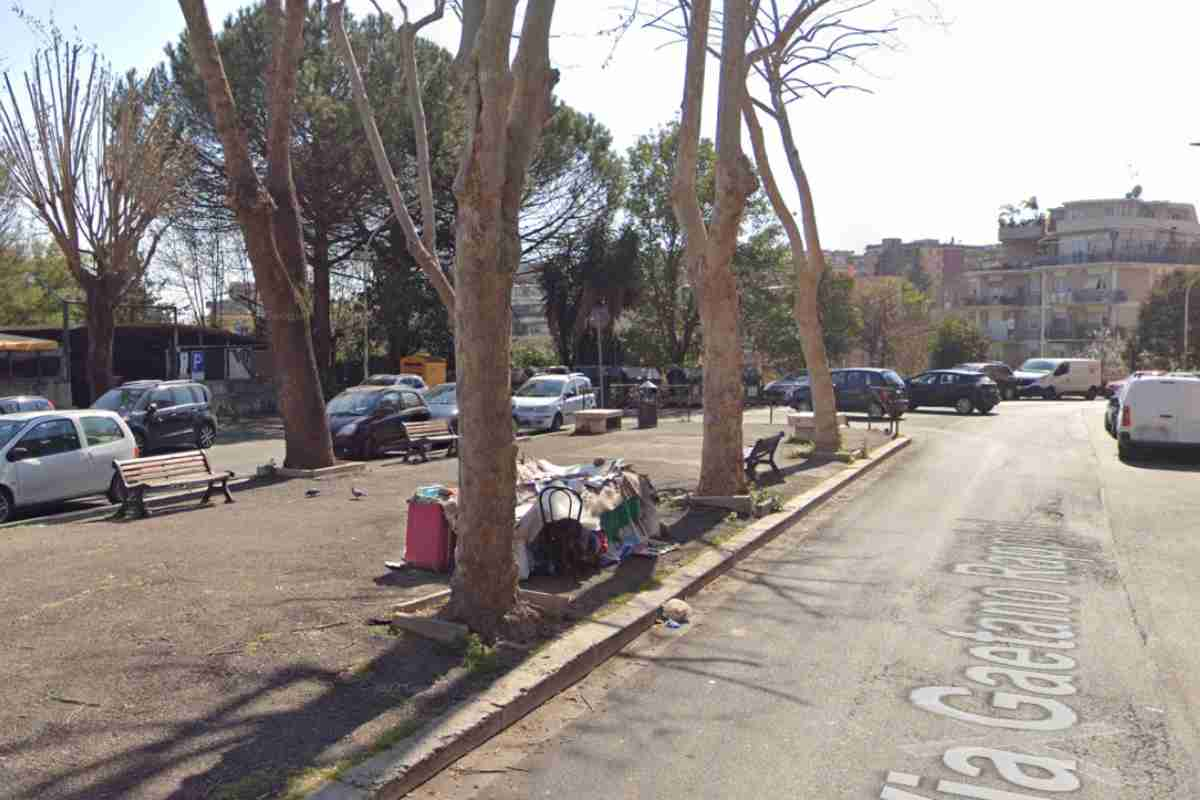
point(570, 519)
point(606, 509)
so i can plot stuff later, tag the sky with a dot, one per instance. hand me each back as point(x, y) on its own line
point(1065, 100)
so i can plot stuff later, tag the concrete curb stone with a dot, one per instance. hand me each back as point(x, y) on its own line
point(567, 660)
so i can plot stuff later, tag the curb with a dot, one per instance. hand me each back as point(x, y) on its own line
point(567, 660)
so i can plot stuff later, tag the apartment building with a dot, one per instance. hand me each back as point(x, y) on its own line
point(1083, 267)
point(528, 306)
point(943, 265)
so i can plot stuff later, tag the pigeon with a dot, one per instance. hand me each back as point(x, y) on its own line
point(357, 493)
point(312, 492)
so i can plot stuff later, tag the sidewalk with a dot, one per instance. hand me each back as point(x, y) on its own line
point(218, 652)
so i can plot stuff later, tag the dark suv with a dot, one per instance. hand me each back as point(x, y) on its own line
point(164, 413)
point(963, 390)
point(999, 372)
point(878, 392)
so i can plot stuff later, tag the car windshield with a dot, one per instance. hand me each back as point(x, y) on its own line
point(1038, 365)
point(541, 388)
point(119, 400)
point(8, 430)
point(443, 395)
point(892, 378)
point(356, 404)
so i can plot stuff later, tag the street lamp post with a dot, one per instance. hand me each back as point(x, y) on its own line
point(598, 319)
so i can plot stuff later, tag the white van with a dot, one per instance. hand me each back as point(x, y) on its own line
point(1159, 412)
point(1049, 378)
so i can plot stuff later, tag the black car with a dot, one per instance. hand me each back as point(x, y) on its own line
point(999, 372)
point(877, 392)
point(368, 420)
point(778, 392)
point(24, 402)
point(164, 413)
point(963, 390)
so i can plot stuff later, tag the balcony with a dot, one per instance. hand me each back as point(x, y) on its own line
point(1019, 297)
point(1072, 331)
point(1099, 296)
point(1133, 253)
point(1031, 230)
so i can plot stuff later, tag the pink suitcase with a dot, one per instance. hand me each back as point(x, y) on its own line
point(427, 538)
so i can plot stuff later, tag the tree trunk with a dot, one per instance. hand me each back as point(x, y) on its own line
point(710, 249)
point(322, 326)
point(827, 436)
point(101, 330)
point(271, 226)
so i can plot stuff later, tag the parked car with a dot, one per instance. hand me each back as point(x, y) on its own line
point(961, 389)
point(1113, 388)
point(1158, 412)
point(52, 456)
point(164, 413)
point(1050, 378)
point(860, 389)
point(999, 372)
point(546, 402)
point(415, 382)
point(443, 404)
point(366, 421)
point(779, 392)
point(24, 402)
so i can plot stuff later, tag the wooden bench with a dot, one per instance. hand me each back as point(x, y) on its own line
point(763, 452)
point(137, 476)
point(804, 423)
point(422, 436)
point(598, 420)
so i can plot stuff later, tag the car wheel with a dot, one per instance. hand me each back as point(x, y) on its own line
point(139, 441)
point(802, 405)
point(1049, 393)
point(116, 491)
point(556, 423)
point(1091, 393)
point(7, 507)
point(1010, 393)
point(964, 406)
point(205, 436)
point(985, 409)
point(875, 410)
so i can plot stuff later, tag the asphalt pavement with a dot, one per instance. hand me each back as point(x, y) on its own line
point(1006, 613)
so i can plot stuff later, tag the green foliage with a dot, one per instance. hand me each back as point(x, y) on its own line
point(763, 264)
point(24, 268)
point(956, 341)
point(479, 658)
point(531, 356)
point(895, 324)
point(1160, 322)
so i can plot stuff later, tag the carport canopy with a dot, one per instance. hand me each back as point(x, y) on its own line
point(10, 343)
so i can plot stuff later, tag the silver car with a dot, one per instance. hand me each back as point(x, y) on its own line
point(52, 456)
point(443, 404)
point(545, 402)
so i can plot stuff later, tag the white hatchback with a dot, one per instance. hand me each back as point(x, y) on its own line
point(52, 456)
point(1159, 412)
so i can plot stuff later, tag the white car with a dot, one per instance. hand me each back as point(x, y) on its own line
point(52, 456)
point(1159, 412)
point(546, 402)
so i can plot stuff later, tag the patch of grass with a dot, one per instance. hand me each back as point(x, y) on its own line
point(479, 658)
point(306, 781)
point(845, 456)
point(648, 585)
point(799, 440)
point(797, 453)
point(393, 736)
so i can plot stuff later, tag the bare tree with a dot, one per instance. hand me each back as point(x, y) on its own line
point(195, 262)
point(710, 247)
point(270, 222)
point(788, 48)
point(9, 207)
point(422, 245)
point(97, 164)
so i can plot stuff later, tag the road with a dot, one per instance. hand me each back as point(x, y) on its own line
point(1005, 613)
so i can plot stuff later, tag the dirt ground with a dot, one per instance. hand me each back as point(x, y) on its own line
point(212, 652)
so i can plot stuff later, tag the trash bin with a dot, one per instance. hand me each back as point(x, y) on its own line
point(647, 405)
